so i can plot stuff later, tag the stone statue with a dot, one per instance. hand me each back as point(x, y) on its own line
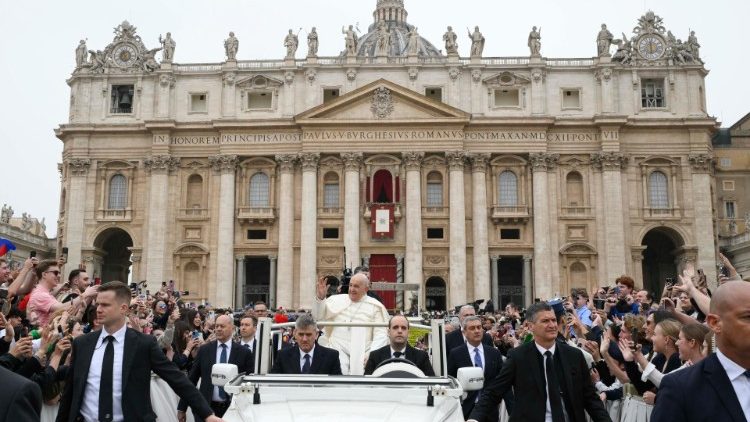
point(5, 214)
point(291, 42)
point(168, 45)
point(43, 226)
point(312, 43)
point(149, 60)
point(412, 46)
point(81, 53)
point(477, 42)
point(693, 46)
point(535, 42)
point(624, 52)
point(383, 46)
point(351, 40)
point(97, 60)
point(26, 222)
point(681, 53)
point(231, 45)
point(450, 37)
point(603, 41)
point(747, 221)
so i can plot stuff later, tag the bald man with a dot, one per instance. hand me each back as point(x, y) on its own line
point(354, 306)
point(718, 387)
point(221, 350)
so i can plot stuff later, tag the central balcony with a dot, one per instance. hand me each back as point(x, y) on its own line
point(367, 214)
point(264, 216)
point(510, 214)
point(108, 214)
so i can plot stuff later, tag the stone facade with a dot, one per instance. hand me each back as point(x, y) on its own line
point(471, 178)
point(28, 234)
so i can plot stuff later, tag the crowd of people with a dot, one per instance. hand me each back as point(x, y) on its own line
point(74, 350)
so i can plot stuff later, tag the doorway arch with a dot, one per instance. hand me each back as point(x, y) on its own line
point(663, 247)
point(113, 244)
point(435, 292)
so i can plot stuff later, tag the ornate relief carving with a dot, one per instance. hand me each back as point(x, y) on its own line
point(352, 160)
point(223, 163)
point(701, 163)
point(542, 161)
point(167, 81)
point(329, 259)
point(609, 160)
point(351, 74)
point(434, 259)
point(604, 74)
point(309, 161)
point(538, 75)
point(454, 73)
point(289, 77)
point(311, 74)
point(229, 78)
point(479, 161)
point(382, 103)
point(413, 73)
point(456, 159)
point(476, 75)
point(413, 160)
point(161, 162)
point(286, 162)
point(79, 166)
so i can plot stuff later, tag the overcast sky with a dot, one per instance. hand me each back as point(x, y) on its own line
point(38, 39)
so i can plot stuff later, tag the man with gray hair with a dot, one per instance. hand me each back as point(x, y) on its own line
point(307, 357)
point(456, 338)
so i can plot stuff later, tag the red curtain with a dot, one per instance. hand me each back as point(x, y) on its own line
point(383, 268)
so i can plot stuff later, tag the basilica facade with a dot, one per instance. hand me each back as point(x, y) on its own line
point(453, 178)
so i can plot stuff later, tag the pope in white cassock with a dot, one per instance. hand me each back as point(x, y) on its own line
point(355, 306)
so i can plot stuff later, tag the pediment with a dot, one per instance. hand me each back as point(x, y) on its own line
point(382, 101)
point(506, 79)
point(259, 81)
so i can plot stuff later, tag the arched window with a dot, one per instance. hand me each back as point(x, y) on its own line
point(658, 190)
point(578, 277)
point(434, 189)
point(259, 190)
point(508, 189)
point(195, 191)
point(118, 192)
point(574, 189)
point(192, 278)
point(331, 190)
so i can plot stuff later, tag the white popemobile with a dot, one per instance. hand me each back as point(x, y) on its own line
point(396, 391)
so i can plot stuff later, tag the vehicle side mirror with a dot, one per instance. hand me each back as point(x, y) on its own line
point(222, 373)
point(471, 378)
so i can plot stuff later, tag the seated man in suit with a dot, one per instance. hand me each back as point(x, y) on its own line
point(221, 350)
point(307, 357)
point(398, 336)
point(718, 387)
point(474, 353)
point(456, 338)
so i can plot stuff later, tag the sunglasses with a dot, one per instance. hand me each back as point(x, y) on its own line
point(56, 272)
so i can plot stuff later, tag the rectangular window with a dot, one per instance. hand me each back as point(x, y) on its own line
point(330, 94)
point(727, 185)
point(331, 195)
point(122, 99)
point(434, 232)
point(510, 234)
point(198, 103)
point(506, 97)
point(434, 194)
point(254, 234)
point(729, 209)
point(260, 100)
point(571, 98)
point(725, 162)
point(330, 232)
point(434, 93)
point(652, 93)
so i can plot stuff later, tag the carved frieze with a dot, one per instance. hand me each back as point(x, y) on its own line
point(79, 166)
point(161, 163)
point(413, 160)
point(223, 163)
point(609, 160)
point(701, 163)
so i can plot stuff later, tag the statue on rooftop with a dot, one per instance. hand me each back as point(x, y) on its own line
point(603, 42)
point(535, 42)
point(383, 45)
point(693, 46)
point(450, 37)
point(291, 42)
point(81, 53)
point(168, 45)
point(412, 46)
point(231, 45)
point(477, 42)
point(312, 43)
point(351, 40)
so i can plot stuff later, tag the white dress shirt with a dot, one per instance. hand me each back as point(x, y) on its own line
point(542, 350)
point(302, 357)
point(472, 353)
point(740, 382)
point(248, 343)
point(90, 402)
point(402, 351)
point(216, 396)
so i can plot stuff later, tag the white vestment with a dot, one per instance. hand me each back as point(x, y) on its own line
point(340, 308)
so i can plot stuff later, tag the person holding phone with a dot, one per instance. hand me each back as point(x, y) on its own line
point(42, 304)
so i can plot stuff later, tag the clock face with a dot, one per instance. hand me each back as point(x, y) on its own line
point(651, 47)
point(125, 55)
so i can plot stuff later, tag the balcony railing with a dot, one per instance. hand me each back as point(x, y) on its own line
point(510, 214)
point(367, 214)
point(256, 215)
point(330, 212)
point(193, 214)
point(123, 214)
point(732, 227)
point(435, 212)
point(575, 211)
point(659, 213)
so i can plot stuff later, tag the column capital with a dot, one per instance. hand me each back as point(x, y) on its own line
point(542, 161)
point(613, 161)
point(456, 159)
point(78, 166)
point(701, 163)
point(479, 161)
point(286, 162)
point(352, 160)
point(413, 160)
point(240, 258)
point(272, 257)
point(309, 161)
point(400, 257)
point(527, 258)
point(224, 163)
point(164, 163)
point(494, 258)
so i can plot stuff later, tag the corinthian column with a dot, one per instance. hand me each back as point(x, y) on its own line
point(479, 226)
point(352, 163)
point(413, 256)
point(226, 166)
point(457, 228)
point(541, 162)
point(285, 268)
point(78, 168)
point(611, 165)
point(159, 166)
point(701, 166)
point(308, 230)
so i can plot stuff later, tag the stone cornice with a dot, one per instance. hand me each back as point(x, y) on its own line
point(609, 160)
point(413, 160)
point(352, 160)
point(224, 163)
point(309, 161)
point(78, 166)
point(456, 159)
point(701, 163)
point(161, 163)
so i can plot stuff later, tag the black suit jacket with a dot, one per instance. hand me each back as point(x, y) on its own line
point(524, 372)
point(417, 357)
point(141, 356)
point(456, 338)
point(204, 362)
point(493, 362)
point(701, 392)
point(325, 361)
point(21, 399)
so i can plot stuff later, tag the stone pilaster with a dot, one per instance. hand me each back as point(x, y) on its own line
point(308, 229)
point(226, 167)
point(78, 169)
point(528, 290)
point(540, 164)
point(457, 228)
point(352, 164)
point(272, 281)
point(702, 166)
point(611, 165)
point(495, 280)
point(284, 287)
point(159, 166)
point(239, 295)
point(481, 260)
point(413, 256)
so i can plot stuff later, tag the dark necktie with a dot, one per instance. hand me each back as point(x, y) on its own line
point(397, 354)
point(247, 346)
point(306, 365)
point(223, 359)
point(105, 383)
point(747, 373)
point(477, 358)
point(553, 389)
